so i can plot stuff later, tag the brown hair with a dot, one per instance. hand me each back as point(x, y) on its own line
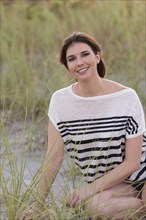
point(87, 39)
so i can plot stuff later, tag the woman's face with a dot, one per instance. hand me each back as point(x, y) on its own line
point(81, 61)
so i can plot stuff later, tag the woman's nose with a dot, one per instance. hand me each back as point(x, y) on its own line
point(79, 61)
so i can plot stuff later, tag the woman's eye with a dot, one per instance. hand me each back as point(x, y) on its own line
point(71, 59)
point(85, 54)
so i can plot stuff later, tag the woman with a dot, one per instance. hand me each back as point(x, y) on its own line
point(101, 124)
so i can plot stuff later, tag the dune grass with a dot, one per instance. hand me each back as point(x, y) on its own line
point(17, 195)
point(31, 34)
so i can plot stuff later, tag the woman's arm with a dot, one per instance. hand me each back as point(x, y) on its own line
point(130, 164)
point(52, 163)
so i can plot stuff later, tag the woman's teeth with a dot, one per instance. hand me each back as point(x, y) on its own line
point(82, 70)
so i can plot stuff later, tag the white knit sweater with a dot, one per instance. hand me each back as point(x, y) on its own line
point(94, 129)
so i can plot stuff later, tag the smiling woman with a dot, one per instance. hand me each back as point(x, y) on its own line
point(88, 41)
point(83, 62)
point(101, 124)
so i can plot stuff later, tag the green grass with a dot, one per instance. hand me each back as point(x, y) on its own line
point(31, 35)
point(17, 195)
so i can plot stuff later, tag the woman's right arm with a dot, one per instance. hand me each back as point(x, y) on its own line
point(52, 163)
point(50, 168)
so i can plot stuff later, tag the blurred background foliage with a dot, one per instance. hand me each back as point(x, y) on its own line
point(32, 32)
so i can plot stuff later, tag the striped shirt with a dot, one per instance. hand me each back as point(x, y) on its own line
point(95, 129)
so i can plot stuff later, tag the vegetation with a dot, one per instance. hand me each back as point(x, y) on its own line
point(31, 34)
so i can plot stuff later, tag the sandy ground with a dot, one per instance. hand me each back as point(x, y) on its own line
point(28, 146)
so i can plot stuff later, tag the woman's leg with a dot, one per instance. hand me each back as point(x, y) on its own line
point(143, 197)
point(118, 202)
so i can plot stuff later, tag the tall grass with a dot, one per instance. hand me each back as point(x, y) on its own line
point(31, 34)
point(16, 195)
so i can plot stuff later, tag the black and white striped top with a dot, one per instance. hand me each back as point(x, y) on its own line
point(95, 129)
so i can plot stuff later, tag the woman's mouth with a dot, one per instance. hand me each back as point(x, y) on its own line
point(83, 70)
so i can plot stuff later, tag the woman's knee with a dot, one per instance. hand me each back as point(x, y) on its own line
point(143, 196)
point(107, 204)
point(98, 202)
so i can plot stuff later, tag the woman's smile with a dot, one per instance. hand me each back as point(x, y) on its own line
point(83, 70)
point(82, 61)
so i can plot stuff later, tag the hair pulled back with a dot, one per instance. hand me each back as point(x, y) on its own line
point(81, 37)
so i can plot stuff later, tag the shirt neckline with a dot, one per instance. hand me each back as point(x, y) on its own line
point(110, 95)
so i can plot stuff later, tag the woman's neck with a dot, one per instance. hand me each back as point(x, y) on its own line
point(89, 88)
point(97, 87)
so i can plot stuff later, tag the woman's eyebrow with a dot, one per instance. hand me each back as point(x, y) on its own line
point(70, 56)
point(85, 51)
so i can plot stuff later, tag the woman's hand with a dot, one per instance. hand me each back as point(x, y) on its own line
point(78, 196)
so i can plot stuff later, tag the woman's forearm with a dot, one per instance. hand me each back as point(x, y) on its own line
point(113, 177)
point(131, 163)
point(48, 173)
point(52, 163)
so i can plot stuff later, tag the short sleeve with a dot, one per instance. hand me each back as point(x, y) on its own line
point(52, 112)
point(136, 120)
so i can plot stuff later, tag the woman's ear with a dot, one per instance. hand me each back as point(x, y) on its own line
point(98, 57)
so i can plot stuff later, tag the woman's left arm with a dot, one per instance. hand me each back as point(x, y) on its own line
point(131, 163)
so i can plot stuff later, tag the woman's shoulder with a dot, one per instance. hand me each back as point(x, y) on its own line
point(115, 86)
point(61, 94)
point(61, 91)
